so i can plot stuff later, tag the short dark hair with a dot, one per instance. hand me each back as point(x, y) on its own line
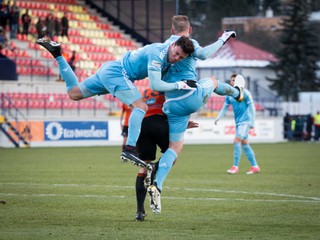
point(233, 75)
point(186, 45)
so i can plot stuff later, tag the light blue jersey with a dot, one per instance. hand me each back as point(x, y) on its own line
point(153, 57)
point(244, 112)
point(185, 69)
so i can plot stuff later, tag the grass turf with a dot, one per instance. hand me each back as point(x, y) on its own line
point(86, 193)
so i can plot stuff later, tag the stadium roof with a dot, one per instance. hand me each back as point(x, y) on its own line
point(238, 54)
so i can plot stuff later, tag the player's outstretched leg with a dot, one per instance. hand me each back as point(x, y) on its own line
point(224, 89)
point(52, 47)
point(65, 70)
point(129, 154)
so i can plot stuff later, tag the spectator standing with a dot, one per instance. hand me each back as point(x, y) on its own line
point(26, 20)
point(64, 25)
point(316, 124)
point(50, 25)
point(286, 125)
point(293, 124)
point(299, 127)
point(57, 27)
point(4, 15)
point(308, 127)
point(41, 28)
point(3, 39)
point(14, 21)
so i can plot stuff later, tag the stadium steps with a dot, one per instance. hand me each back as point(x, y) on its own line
point(12, 132)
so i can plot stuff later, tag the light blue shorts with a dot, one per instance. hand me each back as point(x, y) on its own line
point(179, 109)
point(110, 79)
point(242, 131)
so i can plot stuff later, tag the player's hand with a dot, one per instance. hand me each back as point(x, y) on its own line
point(227, 34)
point(187, 85)
point(192, 124)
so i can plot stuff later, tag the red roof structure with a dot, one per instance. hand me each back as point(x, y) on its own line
point(238, 54)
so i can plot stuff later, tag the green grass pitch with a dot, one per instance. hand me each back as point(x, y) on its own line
point(87, 193)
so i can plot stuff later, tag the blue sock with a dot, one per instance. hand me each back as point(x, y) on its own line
point(236, 154)
point(66, 73)
point(165, 165)
point(135, 121)
point(226, 89)
point(250, 154)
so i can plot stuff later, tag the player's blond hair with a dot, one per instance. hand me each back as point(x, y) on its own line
point(180, 23)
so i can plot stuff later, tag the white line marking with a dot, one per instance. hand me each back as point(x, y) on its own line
point(306, 199)
point(174, 198)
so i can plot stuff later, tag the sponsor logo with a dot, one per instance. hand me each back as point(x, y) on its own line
point(56, 131)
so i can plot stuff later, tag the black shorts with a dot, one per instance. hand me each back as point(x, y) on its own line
point(154, 132)
point(124, 132)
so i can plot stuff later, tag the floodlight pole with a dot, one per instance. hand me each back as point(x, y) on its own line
point(177, 7)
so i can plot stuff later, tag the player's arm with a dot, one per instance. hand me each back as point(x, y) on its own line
point(222, 112)
point(206, 52)
point(252, 113)
point(156, 83)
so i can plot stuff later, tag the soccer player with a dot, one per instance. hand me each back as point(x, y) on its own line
point(244, 116)
point(116, 78)
point(180, 105)
point(154, 133)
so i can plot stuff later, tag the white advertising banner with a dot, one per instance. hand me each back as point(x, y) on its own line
point(265, 130)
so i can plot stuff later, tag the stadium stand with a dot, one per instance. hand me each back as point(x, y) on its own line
point(94, 39)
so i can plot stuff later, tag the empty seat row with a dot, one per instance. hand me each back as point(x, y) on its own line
point(41, 96)
point(33, 5)
point(42, 71)
point(44, 104)
point(15, 53)
point(28, 62)
point(94, 48)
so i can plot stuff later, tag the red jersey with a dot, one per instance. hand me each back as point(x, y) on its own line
point(154, 100)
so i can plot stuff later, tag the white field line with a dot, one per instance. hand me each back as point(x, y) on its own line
point(290, 198)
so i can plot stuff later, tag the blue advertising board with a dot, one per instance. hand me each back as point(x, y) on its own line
point(74, 131)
